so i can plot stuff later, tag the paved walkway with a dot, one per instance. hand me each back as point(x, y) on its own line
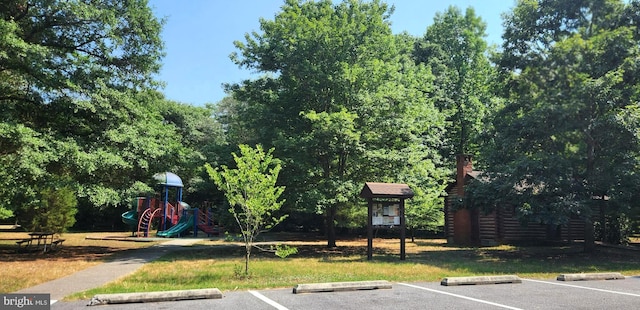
point(96, 276)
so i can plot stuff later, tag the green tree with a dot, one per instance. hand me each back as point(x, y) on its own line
point(55, 211)
point(455, 49)
point(342, 103)
point(237, 127)
point(74, 81)
point(200, 140)
point(332, 141)
point(56, 50)
point(565, 142)
point(252, 192)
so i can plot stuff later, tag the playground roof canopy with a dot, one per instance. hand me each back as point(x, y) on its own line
point(168, 179)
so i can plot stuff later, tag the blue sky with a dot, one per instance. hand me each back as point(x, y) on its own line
point(199, 36)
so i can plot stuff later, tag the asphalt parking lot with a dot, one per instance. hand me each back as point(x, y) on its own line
point(530, 294)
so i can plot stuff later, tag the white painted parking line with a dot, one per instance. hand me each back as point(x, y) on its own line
point(583, 287)
point(461, 296)
point(268, 301)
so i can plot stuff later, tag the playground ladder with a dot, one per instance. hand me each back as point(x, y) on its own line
point(145, 222)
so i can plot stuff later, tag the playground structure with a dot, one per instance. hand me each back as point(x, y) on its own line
point(173, 217)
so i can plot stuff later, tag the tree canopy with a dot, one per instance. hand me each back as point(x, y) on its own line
point(344, 102)
point(79, 105)
point(566, 138)
point(455, 49)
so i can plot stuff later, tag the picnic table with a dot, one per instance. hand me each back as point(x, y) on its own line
point(40, 240)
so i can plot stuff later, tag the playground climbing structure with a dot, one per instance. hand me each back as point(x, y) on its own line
point(206, 223)
point(170, 219)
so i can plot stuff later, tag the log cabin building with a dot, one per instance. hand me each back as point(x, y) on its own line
point(470, 226)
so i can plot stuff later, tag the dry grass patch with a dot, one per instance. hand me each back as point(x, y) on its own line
point(219, 264)
point(22, 270)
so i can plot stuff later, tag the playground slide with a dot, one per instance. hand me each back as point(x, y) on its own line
point(185, 223)
point(130, 218)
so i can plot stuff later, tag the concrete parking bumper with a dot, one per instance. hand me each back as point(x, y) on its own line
point(340, 286)
point(590, 276)
point(103, 299)
point(500, 279)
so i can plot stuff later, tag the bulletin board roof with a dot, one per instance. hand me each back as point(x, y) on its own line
point(386, 190)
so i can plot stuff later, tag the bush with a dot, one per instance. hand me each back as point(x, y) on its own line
point(56, 210)
point(618, 230)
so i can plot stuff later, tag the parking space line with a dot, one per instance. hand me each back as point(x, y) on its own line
point(461, 296)
point(583, 287)
point(268, 301)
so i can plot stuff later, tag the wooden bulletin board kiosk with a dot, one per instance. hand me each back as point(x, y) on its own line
point(386, 208)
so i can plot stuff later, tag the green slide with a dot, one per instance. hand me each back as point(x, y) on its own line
point(185, 223)
point(130, 218)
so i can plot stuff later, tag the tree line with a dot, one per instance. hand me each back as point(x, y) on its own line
point(340, 99)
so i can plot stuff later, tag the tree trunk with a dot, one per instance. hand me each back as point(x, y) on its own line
point(413, 235)
point(589, 231)
point(331, 227)
point(603, 220)
point(246, 260)
point(589, 238)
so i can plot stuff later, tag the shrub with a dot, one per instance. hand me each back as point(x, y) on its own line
point(56, 210)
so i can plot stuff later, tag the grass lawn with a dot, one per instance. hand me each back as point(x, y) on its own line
point(216, 263)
